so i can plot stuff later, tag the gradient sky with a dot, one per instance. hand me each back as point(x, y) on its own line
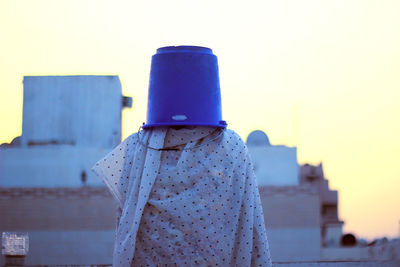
point(320, 75)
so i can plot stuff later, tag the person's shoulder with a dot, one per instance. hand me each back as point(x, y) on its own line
point(234, 150)
point(128, 142)
point(231, 136)
point(132, 138)
point(233, 144)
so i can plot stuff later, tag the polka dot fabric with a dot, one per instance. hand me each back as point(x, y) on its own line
point(195, 206)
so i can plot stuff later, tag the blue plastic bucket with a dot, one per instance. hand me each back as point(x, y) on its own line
point(184, 88)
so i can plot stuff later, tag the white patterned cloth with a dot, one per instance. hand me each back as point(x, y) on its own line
point(197, 205)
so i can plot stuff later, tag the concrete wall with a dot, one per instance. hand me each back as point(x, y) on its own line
point(287, 244)
point(65, 225)
point(48, 166)
point(275, 165)
point(345, 253)
point(69, 247)
point(292, 217)
point(80, 110)
point(60, 221)
point(72, 226)
point(69, 122)
point(333, 234)
point(57, 209)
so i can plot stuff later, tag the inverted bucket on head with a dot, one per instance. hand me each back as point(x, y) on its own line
point(184, 88)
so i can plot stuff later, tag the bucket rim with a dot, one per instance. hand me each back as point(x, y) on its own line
point(220, 124)
point(184, 49)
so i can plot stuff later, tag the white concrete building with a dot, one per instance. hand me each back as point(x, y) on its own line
point(273, 165)
point(299, 208)
point(291, 212)
point(69, 122)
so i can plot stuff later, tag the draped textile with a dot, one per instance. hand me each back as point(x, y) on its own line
point(196, 204)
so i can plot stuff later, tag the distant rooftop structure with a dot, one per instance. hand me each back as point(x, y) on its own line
point(69, 122)
point(331, 226)
point(74, 110)
point(273, 165)
point(299, 208)
point(258, 138)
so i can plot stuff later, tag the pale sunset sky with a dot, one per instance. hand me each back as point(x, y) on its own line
point(323, 76)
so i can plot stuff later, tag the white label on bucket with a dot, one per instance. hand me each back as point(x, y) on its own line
point(179, 117)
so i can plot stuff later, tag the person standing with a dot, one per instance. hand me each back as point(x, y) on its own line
point(185, 185)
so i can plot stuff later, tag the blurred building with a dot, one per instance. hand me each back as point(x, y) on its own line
point(300, 210)
point(292, 211)
point(331, 226)
point(69, 122)
point(46, 186)
point(274, 165)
